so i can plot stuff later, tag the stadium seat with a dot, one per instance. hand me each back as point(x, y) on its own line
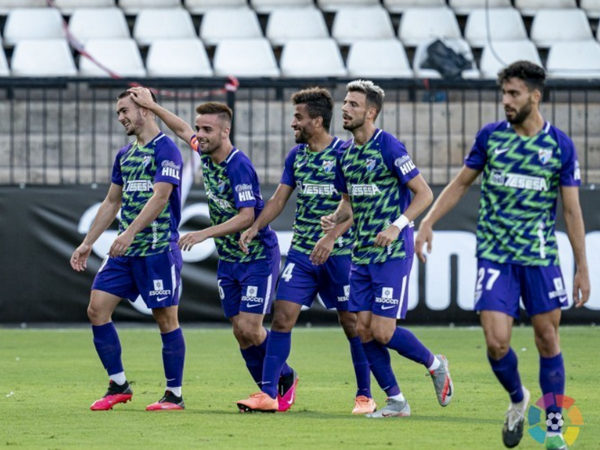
point(231, 23)
point(559, 25)
point(178, 58)
point(502, 53)
point(68, 6)
point(399, 6)
point(576, 59)
point(4, 71)
point(296, 23)
point(267, 6)
point(505, 24)
point(591, 8)
point(421, 24)
point(245, 58)
point(137, 6)
point(171, 23)
point(7, 5)
point(201, 6)
point(43, 58)
point(352, 24)
point(119, 55)
point(464, 7)
point(459, 45)
point(98, 23)
point(530, 7)
point(312, 58)
point(33, 23)
point(335, 5)
point(378, 59)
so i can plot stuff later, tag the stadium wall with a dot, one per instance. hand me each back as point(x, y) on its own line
point(41, 226)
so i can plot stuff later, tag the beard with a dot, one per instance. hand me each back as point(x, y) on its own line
point(520, 115)
point(302, 137)
point(354, 124)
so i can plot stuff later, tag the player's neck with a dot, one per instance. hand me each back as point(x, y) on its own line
point(531, 125)
point(222, 153)
point(363, 134)
point(147, 134)
point(320, 142)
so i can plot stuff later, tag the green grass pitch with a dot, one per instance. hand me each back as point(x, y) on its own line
point(48, 379)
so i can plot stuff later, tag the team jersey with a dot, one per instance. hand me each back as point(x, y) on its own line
point(519, 187)
point(137, 168)
point(231, 185)
point(375, 176)
point(313, 173)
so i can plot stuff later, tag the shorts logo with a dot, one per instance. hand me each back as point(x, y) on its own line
point(328, 166)
point(371, 163)
point(387, 297)
point(559, 290)
point(344, 298)
point(251, 296)
point(159, 289)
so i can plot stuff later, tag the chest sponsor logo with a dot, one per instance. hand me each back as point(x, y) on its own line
point(544, 155)
point(370, 163)
point(251, 297)
point(318, 189)
point(138, 186)
point(328, 166)
point(221, 203)
point(159, 289)
point(170, 169)
point(363, 190)
point(518, 181)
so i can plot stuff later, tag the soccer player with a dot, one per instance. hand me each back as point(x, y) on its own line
point(246, 281)
point(144, 259)
point(525, 162)
point(316, 263)
point(376, 177)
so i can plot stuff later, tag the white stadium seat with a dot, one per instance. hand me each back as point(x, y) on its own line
point(33, 23)
point(68, 6)
point(576, 59)
point(458, 45)
point(267, 6)
point(312, 58)
point(591, 8)
point(172, 23)
point(505, 24)
point(399, 6)
point(296, 23)
point(422, 24)
point(7, 5)
point(352, 24)
point(119, 55)
point(137, 6)
point(43, 58)
point(98, 23)
point(559, 25)
point(245, 58)
point(335, 5)
point(530, 7)
point(502, 53)
point(378, 59)
point(4, 71)
point(231, 23)
point(178, 58)
point(464, 7)
point(201, 6)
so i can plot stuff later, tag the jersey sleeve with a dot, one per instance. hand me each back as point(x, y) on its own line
point(477, 157)
point(340, 181)
point(117, 176)
point(288, 177)
point(169, 162)
point(397, 159)
point(570, 175)
point(244, 183)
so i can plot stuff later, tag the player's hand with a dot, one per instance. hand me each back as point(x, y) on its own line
point(187, 241)
point(581, 283)
point(387, 236)
point(424, 235)
point(121, 244)
point(141, 96)
point(328, 222)
point(80, 257)
point(246, 238)
point(322, 250)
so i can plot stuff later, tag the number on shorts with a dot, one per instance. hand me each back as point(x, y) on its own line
point(493, 276)
point(286, 275)
point(221, 291)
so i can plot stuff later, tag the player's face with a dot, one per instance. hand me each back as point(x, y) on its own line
point(211, 131)
point(130, 115)
point(354, 110)
point(517, 100)
point(302, 124)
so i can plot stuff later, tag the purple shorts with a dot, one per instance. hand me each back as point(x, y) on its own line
point(248, 287)
point(157, 278)
point(381, 288)
point(300, 281)
point(499, 287)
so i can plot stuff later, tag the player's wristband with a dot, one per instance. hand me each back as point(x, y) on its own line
point(401, 222)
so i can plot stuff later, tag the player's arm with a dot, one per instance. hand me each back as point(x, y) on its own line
point(239, 222)
point(447, 200)
point(179, 126)
point(343, 213)
point(106, 214)
point(270, 212)
point(576, 233)
point(155, 205)
point(324, 246)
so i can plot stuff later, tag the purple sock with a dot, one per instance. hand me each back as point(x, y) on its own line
point(254, 362)
point(173, 353)
point(552, 381)
point(361, 367)
point(409, 346)
point(108, 347)
point(278, 350)
point(262, 348)
point(380, 364)
point(507, 371)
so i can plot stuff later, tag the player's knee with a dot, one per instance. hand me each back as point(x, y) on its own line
point(547, 342)
point(96, 316)
point(382, 335)
point(250, 333)
point(497, 349)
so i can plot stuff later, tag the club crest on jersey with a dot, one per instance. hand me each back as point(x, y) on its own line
point(327, 166)
point(371, 164)
point(544, 155)
point(221, 186)
point(146, 161)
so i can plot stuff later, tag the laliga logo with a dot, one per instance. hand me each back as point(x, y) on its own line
point(554, 421)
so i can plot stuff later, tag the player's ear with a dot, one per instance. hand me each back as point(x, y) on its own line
point(318, 121)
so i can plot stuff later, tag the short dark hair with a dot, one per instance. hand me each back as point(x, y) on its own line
point(318, 101)
point(127, 94)
point(533, 76)
point(220, 109)
point(373, 93)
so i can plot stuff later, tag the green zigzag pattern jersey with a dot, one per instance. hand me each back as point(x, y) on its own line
point(520, 184)
point(136, 169)
point(374, 176)
point(313, 174)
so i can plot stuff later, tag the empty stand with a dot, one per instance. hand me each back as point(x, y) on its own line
point(500, 24)
point(574, 60)
point(464, 7)
point(399, 6)
point(334, 5)
point(137, 6)
point(458, 45)
point(530, 7)
point(171, 23)
point(312, 58)
point(245, 58)
point(33, 23)
point(353, 24)
point(7, 5)
point(43, 58)
point(591, 8)
point(502, 53)
point(98, 23)
point(178, 58)
point(558, 25)
point(231, 23)
point(378, 59)
point(201, 6)
point(68, 6)
point(119, 55)
point(266, 6)
point(296, 23)
point(421, 24)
